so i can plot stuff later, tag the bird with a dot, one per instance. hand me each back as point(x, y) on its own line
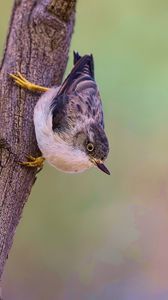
point(69, 121)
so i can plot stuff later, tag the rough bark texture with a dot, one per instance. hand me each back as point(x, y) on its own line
point(37, 46)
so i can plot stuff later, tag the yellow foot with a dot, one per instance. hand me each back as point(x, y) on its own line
point(33, 162)
point(24, 83)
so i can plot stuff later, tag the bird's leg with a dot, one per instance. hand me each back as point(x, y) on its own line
point(24, 83)
point(33, 162)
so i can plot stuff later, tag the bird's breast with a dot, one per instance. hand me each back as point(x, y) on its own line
point(64, 157)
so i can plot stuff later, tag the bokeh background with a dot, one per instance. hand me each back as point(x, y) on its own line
point(92, 236)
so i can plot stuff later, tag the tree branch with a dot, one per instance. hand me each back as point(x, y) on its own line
point(37, 46)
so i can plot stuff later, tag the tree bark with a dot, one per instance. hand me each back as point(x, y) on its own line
point(37, 45)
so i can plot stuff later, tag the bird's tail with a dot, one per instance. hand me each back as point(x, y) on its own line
point(76, 57)
point(83, 70)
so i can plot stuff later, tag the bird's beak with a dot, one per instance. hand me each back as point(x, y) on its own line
point(101, 166)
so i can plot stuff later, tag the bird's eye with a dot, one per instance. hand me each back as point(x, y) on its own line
point(90, 147)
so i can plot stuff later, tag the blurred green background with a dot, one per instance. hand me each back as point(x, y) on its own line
point(92, 236)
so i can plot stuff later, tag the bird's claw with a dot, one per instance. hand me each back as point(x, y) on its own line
point(33, 162)
point(24, 83)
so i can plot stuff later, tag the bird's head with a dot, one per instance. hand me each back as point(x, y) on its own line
point(93, 143)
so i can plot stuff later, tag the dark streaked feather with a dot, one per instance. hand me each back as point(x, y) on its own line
point(58, 108)
point(78, 99)
point(82, 70)
point(76, 57)
point(89, 65)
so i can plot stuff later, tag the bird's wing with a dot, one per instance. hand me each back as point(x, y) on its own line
point(95, 110)
point(78, 95)
point(59, 112)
